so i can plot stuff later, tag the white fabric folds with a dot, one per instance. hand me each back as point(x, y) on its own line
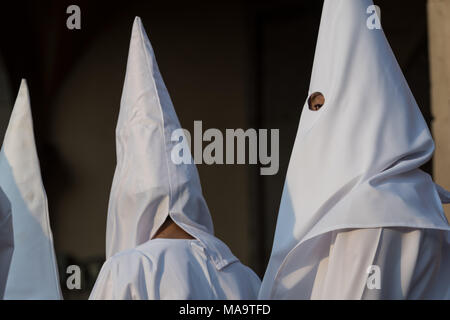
point(33, 271)
point(354, 165)
point(147, 188)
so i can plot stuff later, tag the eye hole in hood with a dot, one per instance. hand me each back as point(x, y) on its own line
point(316, 101)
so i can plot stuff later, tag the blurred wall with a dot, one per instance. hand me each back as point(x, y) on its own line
point(439, 31)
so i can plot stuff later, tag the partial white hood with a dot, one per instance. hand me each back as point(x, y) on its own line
point(355, 162)
point(33, 272)
point(147, 185)
point(6, 240)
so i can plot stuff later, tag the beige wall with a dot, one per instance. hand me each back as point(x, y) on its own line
point(439, 46)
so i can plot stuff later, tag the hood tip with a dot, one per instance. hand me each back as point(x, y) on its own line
point(137, 21)
point(23, 86)
point(23, 82)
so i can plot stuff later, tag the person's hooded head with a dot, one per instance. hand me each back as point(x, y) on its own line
point(360, 143)
point(148, 187)
point(33, 273)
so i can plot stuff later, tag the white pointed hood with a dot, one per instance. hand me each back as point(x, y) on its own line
point(147, 185)
point(33, 273)
point(355, 162)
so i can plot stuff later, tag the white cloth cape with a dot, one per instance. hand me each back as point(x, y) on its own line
point(33, 272)
point(147, 188)
point(172, 269)
point(354, 165)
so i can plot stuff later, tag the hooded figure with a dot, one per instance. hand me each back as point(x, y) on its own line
point(358, 219)
point(148, 190)
point(33, 272)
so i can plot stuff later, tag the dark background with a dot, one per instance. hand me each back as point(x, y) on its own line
point(231, 64)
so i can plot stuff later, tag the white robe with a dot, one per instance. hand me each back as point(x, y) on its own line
point(354, 179)
point(413, 264)
point(149, 187)
point(172, 269)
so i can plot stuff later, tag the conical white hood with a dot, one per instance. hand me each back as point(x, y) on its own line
point(355, 162)
point(147, 185)
point(33, 272)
